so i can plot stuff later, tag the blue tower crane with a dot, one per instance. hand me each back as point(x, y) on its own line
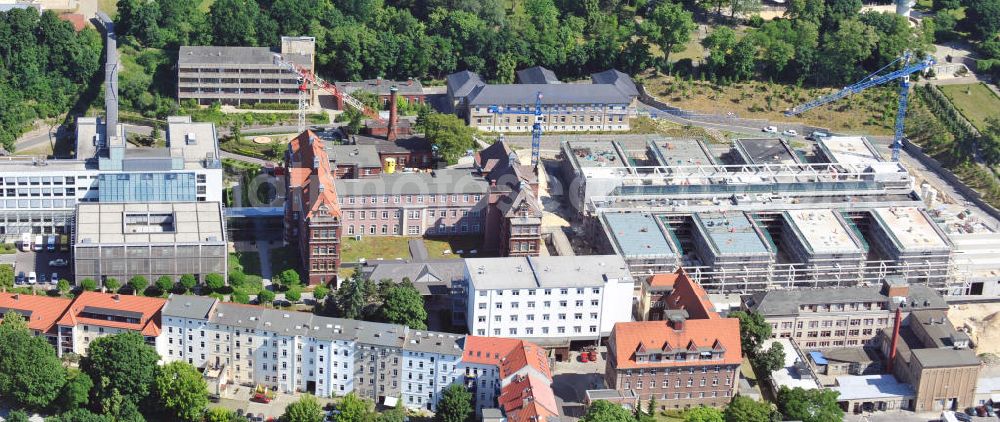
point(536, 128)
point(872, 80)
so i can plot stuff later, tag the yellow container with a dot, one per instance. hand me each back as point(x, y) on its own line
point(390, 165)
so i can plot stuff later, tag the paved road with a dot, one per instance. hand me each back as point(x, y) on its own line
point(252, 160)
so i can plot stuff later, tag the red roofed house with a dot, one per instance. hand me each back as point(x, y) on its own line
point(92, 315)
point(688, 358)
point(40, 312)
point(312, 211)
point(511, 374)
point(663, 292)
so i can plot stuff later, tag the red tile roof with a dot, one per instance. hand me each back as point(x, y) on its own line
point(316, 184)
point(690, 296)
point(148, 308)
point(528, 398)
point(45, 311)
point(77, 20)
point(627, 337)
point(523, 356)
point(488, 350)
point(663, 280)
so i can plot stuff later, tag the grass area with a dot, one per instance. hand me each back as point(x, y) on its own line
point(7, 248)
point(108, 6)
point(646, 125)
point(660, 417)
point(284, 258)
point(870, 112)
point(246, 146)
point(436, 247)
point(975, 101)
point(246, 261)
point(372, 248)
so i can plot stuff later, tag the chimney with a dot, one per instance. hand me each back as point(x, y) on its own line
point(677, 322)
point(116, 297)
point(390, 133)
point(895, 339)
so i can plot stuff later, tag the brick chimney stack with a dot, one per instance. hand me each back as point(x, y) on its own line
point(390, 133)
point(895, 340)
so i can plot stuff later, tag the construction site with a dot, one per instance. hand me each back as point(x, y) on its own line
point(761, 215)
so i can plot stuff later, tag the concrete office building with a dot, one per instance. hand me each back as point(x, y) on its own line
point(732, 246)
point(840, 316)
point(547, 300)
point(152, 240)
point(604, 105)
point(691, 359)
point(641, 240)
point(40, 196)
point(244, 75)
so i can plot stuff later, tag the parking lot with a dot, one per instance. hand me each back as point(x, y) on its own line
point(38, 262)
point(571, 380)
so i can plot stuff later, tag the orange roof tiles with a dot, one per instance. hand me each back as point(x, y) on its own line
point(691, 297)
point(524, 356)
point(148, 307)
point(663, 280)
point(627, 337)
point(528, 399)
point(310, 172)
point(44, 310)
point(488, 350)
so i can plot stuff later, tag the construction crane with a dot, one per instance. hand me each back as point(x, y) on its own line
point(875, 79)
point(306, 78)
point(536, 128)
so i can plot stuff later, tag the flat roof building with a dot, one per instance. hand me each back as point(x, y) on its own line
point(680, 152)
point(734, 247)
point(641, 240)
point(152, 240)
point(848, 150)
point(244, 75)
point(908, 236)
point(823, 241)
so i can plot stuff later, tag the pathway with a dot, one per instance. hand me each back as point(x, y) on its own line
point(418, 251)
point(264, 252)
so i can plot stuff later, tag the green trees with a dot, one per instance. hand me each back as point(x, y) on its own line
point(164, 284)
point(669, 27)
point(181, 391)
point(88, 284)
point(353, 409)
point(605, 411)
point(809, 405)
point(352, 296)
point(449, 134)
point(79, 415)
point(138, 284)
point(31, 375)
point(703, 414)
point(982, 18)
point(455, 405)
point(6, 276)
point(293, 294)
point(187, 282)
point(771, 360)
point(76, 392)
point(745, 409)
point(753, 330)
point(843, 49)
point(306, 409)
point(112, 284)
point(238, 22)
point(289, 278)
point(265, 297)
point(123, 368)
point(215, 282)
point(403, 304)
point(320, 293)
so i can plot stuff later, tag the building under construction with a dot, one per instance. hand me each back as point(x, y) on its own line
point(244, 76)
point(757, 216)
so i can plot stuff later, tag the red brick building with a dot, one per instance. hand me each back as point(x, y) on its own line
point(513, 224)
point(690, 359)
point(312, 213)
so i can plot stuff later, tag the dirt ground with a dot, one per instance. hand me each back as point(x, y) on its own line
point(983, 322)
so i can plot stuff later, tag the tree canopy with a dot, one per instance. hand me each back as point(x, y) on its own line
point(403, 304)
point(703, 414)
point(181, 391)
point(809, 405)
point(123, 368)
point(753, 331)
point(306, 409)
point(31, 375)
point(605, 411)
point(745, 409)
point(455, 405)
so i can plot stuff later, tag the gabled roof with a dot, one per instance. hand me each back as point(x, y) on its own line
point(526, 357)
point(691, 297)
point(145, 309)
point(528, 398)
point(620, 80)
point(460, 84)
point(40, 312)
point(552, 94)
point(509, 204)
point(309, 173)
point(537, 75)
point(696, 335)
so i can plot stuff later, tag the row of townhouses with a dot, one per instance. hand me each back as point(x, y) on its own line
point(294, 351)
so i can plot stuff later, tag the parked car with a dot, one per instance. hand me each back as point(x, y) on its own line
point(58, 263)
point(21, 278)
point(770, 129)
point(55, 279)
point(816, 135)
point(41, 278)
point(32, 278)
point(790, 132)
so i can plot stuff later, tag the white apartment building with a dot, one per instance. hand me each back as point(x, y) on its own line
point(547, 300)
point(295, 351)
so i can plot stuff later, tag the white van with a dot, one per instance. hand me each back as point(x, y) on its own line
point(51, 244)
point(39, 243)
point(25, 242)
point(32, 278)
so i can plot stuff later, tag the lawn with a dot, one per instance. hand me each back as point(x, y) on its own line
point(437, 245)
point(372, 248)
point(871, 112)
point(975, 101)
point(108, 6)
point(246, 261)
